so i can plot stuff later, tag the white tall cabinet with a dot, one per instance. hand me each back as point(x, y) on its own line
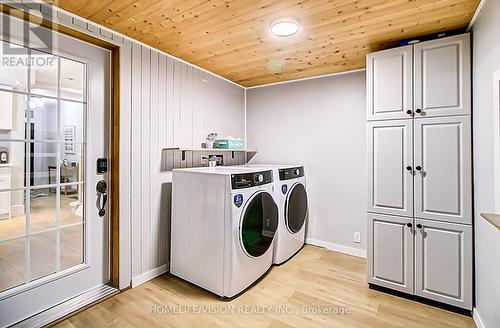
point(419, 170)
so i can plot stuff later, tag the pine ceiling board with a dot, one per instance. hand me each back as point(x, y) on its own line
point(317, 37)
point(355, 39)
point(231, 37)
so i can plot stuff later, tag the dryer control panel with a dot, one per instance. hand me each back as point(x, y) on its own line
point(291, 173)
point(249, 180)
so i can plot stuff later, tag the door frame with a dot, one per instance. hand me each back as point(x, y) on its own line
point(114, 135)
point(496, 140)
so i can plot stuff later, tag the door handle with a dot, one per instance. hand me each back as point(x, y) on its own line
point(102, 197)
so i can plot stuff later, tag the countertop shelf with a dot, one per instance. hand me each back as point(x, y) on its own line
point(210, 149)
point(494, 219)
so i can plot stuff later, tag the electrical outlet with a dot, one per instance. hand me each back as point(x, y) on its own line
point(357, 237)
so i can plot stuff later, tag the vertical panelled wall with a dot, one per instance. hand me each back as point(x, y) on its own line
point(173, 104)
point(164, 102)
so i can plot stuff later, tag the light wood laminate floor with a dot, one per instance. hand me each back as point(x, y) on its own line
point(315, 278)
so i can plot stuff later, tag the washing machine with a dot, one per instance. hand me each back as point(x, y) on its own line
point(224, 221)
point(291, 196)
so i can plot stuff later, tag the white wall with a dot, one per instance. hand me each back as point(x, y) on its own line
point(319, 123)
point(172, 104)
point(164, 102)
point(486, 60)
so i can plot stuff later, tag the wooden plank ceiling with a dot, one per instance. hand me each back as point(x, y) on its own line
point(231, 37)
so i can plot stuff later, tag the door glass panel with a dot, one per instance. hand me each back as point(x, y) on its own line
point(72, 77)
point(72, 121)
point(42, 147)
point(71, 155)
point(43, 168)
point(12, 218)
point(13, 170)
point(13, 71)
point(296, 208)
point(71, 246)
point(43, 120)
point(12, 115)
point(259, 224)
point(12, 263)
point(43, 209)
point(43, 74)
point(43, 259)
point(71, 204)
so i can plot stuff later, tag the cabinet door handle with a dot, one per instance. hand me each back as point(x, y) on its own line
point(409, 225)
point(418, 168)
point(419, 226)
point(418, 110)
point(409, 112)
point(409, 168)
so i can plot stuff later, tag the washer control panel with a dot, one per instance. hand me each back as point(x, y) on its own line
point(291, 173)
point(249, 180)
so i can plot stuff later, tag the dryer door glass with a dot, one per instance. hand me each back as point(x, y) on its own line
point(296, 208)
point(259, 224)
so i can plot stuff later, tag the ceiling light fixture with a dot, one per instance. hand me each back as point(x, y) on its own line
point(284, 28)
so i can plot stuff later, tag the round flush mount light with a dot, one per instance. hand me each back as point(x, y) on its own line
point(284, 28)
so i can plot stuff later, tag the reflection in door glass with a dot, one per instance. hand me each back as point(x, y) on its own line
point(43, 209)
point(13, 73)
point(71, 246)
point(72, 114)
point(72, 76)
point(43, 74)
point(43, 118)
point(14, 227)
point(43, 250)
point(13, 263)
point(42, 165)
point(42, 147)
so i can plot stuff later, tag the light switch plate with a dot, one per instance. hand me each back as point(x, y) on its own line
point(357, 237)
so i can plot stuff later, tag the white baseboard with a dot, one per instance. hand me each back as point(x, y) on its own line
point(146, 276)
point(337, 248)
point(477, 319)
point(16, 210)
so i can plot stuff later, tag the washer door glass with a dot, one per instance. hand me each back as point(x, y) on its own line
point(296, 208)
point(259, 224)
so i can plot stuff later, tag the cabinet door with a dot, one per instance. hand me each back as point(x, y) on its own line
point(443, 183)
point(390, 252)
point(442, 77)
point(389, 155)
point(443, 262)
point(389, 84)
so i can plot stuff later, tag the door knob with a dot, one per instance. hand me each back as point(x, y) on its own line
point(419, 226)
point(418, 168)
point(409, 225)
point(408, 168)
point(102, 198)
point(418, 110)
point(409, 112)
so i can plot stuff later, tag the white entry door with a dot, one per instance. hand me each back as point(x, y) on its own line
point(53, 244)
